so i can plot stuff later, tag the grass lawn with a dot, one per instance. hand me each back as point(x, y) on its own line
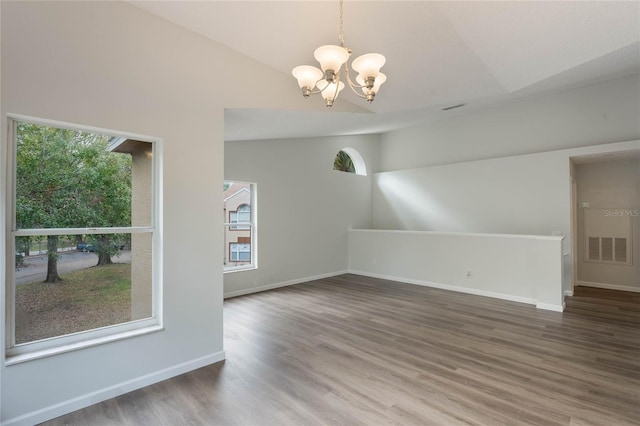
point(84, 300)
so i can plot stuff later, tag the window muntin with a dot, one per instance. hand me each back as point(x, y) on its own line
point(240, 226)
point(82, 194)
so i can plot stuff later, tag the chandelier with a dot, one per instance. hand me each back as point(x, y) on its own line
point(329, 80)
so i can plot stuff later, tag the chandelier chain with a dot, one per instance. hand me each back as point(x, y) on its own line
point(341, 35)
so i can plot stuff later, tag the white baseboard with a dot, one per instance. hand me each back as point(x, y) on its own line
point(281, 284)
point(550, 307)
point(467, 290)
point(568, 293)
point(609, 286)
point(83, 401)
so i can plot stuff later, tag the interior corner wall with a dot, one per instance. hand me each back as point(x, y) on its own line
point(112, 66)
point(613, 187)
point(605, 112)
point(305, 208)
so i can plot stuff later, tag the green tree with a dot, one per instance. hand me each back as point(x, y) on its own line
point(69, 179)
point(343, 163)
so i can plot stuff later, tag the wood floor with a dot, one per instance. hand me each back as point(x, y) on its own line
point(352, 350)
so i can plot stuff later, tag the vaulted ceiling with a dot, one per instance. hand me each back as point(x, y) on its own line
point(438, 53)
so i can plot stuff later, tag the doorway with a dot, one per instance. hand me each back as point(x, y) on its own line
point(605, 209)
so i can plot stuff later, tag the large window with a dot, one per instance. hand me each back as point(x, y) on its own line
point(84, 221)
point(240, 226)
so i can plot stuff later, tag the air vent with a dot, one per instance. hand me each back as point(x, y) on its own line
point(613, 243)
point(594, 248)
point(606, 248)
point(621, 250)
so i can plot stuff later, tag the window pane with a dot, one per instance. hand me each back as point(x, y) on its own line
point(74, 179)
point(101, 278)
point(244, 217)
point(343, 163)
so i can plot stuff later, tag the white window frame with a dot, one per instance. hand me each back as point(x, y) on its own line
point(17, 353)
point(252, 227)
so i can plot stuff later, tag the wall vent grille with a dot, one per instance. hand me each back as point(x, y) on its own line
point(608, 249)
point(594, 248)
point(621, 250)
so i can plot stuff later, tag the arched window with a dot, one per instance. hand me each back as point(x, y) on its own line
point(241, 216)
point(349, 160)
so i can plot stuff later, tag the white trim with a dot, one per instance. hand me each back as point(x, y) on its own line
point(81, 127)
point(550, 307)
point(568, 293)
point(81, 231)
point(609, 286)
point(241, 268)
point(49, 347)
point(465, 234)
point(282, 284)
point(74, 404)
point(467, 290)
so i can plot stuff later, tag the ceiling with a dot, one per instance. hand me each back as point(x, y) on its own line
point(438, 53)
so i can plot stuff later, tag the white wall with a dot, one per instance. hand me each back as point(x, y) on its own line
point(305, 208)
point(521, 268)
point(525, 194)
point(590, 115)
point(110, 65)
point(507, 192)
point(611, 185)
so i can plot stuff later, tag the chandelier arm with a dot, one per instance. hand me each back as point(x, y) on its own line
point(358, 94)
point(351, 83)
point(318, 90)
point(335, 93)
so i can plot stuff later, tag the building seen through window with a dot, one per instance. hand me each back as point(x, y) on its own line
point(239, 226)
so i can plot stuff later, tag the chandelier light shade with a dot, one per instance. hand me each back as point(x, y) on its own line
point(330, 91)
point(369, 65)
point(307, 77)
point(334, 67)
point(331, 57)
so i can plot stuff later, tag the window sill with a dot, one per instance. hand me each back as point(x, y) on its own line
point(37, 354)
point(240, 269)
